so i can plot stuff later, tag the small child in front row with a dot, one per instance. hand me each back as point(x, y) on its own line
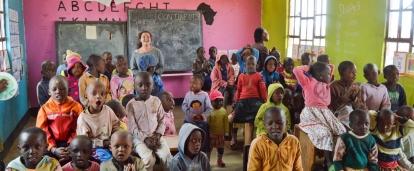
point(146, 123)
point(96, 68)
point(74, 71)
point(374, 94)
point(190, 157)
point(275, 94)
point(42, 88)
point(356, 149)
point(407, 140)
point(387, 134)
point(81, 151)
point(120, 112)
point(122, 81)
point(275, 150)
point(396, 92)
point(218, 124)
point(98, 121)
point(32, 145)
point(58, 117)
point(316, 119)
point(168, 105)
point(121, 147)
point(197, 107)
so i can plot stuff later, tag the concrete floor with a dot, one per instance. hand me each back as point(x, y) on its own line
point(233, 159)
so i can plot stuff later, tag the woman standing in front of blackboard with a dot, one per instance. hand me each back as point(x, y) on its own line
point(145, 48)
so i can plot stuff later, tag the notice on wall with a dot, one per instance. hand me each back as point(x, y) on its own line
point(15, 52)
point(91, 32)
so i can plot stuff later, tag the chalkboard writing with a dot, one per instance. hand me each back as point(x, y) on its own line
point(87, 38)
point(177, 33)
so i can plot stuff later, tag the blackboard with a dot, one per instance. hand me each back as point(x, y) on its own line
point(177, 33)
point(110, 36)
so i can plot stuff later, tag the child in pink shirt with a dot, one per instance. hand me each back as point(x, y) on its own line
point(316, 119)
point(168, 104)
point(122, 81)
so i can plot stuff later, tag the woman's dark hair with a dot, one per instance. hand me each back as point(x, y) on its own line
point(345, 65)
point(139, 45)
point(388, 69)
point(288, 61)
point(93, 60)
point(258, 35)
point(317, 68)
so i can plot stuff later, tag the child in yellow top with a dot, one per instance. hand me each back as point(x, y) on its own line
point(275, 94)
point(120, 112)
point(276, 150)
point(218, 124)
point(32, 145)
point(96, 68)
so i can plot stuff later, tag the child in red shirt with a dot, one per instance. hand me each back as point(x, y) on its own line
point(251, 93)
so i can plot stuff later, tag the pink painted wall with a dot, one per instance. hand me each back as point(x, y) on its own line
point(233, 28)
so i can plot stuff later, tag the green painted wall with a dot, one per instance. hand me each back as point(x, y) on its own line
point(355, 31)
point(274, 19)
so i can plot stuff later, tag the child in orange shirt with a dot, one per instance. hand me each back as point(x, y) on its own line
point(58, 116)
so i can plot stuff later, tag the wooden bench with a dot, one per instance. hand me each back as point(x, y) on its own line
point(307, 148)
point(172, 142)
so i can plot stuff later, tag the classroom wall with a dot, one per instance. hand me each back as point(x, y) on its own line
point(355, 31)
point(232, 28)
point(13, 110)
point(275, 20)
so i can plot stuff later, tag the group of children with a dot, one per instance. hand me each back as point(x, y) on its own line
point(103, 112)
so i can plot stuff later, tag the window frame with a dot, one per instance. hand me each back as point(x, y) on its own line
point(398, 40)
point(294, 16)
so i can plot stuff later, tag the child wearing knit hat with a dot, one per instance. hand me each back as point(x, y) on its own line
point(74, 71)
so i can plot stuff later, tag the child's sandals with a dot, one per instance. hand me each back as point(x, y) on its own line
point(220, 163)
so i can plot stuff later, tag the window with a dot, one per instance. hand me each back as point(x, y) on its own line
point(3, 54)
point(399, 34)
point(307, 23)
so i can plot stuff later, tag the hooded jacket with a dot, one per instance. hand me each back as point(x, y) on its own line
point(217, 77)
point(259, 121)
point(182, 162)
point(271, 77)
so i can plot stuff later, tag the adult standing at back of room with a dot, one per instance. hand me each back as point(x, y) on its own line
point(260, 36)
point(145, 48)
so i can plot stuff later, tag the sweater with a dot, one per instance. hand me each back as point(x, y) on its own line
point(266, 155)
point(356, 152)
point(316, 94)
point(58, 120)
point(99, 126)
point(250, 86)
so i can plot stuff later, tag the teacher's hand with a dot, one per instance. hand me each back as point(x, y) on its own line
point(3, 85)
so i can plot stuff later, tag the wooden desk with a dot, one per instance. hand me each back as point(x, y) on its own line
point(172, 142)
